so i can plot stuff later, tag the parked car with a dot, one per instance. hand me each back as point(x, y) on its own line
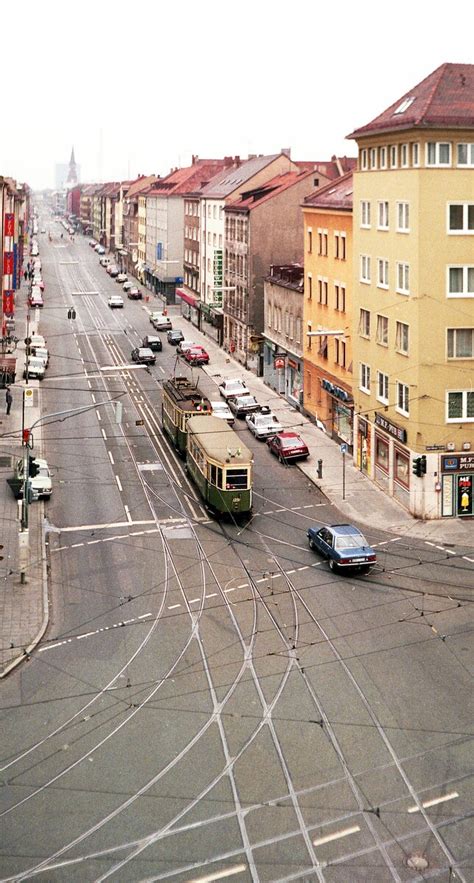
point(115, 300)
point(104, 261)
point(40, 483)
point(100, 249)
point(184, 346)
point(143, 355)
point(242, 405)
point(160, 321)
point(36, 368)
point(175, 336)
point(35, 299)
point(38, 281)
point(37, 340)
point(134, 293)
point(232, 388)
point(92, 243)
point(343, 545)
point(263, 423)
point(288, 447)
point(153, 343)
point(222, 410)
point(127, 285)
point(197, 355)
point(113, 271)
point(40, 353)
point(121, 277)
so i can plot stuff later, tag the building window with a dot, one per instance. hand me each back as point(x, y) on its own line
point(309, 288)
point(364, 381)
point(310, 240)
point(365, 268)
point(465, 154)
point(402, 338)
point(438, 153)
point(382, 221)
point(401, 472)
point(309, 328)
point(382, 273)
point(364, 323)
point(460, 406)
point(383, 157)
point(393, 156)
point(298, 330)
point(460, 281)
point(403, 401)
point(340, 246)
point(382, 330)
point(403, 278)
point(382, 387)
point(340, 352)
point(364, 213)
point(403, 217)
point(461, 217)
point(415, 154)
point(363, 159)
point(323, 347)
point(323, 291)
point(373, 157)
point(381, 453)
point(460, 343)
point(323, 243)
point(404, 155)
point(340, 292)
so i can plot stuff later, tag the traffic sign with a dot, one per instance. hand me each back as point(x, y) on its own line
point(343, 448)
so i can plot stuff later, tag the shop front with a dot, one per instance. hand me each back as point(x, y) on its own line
point(340, 412)
point(189, 306)
point(283, 372)
point(212, 322)
point(392, 459)
point(457, 477)
point(364, 458)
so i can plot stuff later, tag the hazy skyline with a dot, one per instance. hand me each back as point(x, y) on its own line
point(137, 89)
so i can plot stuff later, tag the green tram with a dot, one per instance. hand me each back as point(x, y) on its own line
point(220, 465)
point(181, 400)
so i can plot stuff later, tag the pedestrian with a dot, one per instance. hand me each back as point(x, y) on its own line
point(25, 275)
point(8, 399)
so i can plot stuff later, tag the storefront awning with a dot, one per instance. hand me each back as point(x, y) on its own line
point(190, 299)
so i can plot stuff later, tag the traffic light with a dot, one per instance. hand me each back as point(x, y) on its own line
point(419, 466)
point(71, 313)
point(33, 467)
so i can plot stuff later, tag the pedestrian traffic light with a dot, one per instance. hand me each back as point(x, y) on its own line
point(33, 467)
point(419, 466)
point(71, 313)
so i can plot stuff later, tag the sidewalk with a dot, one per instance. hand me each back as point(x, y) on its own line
point(23, 608)
point(364, 502)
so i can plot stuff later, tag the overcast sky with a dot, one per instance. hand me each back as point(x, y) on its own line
point(139, 87)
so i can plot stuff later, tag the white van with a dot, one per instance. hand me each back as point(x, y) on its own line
point(36, 368)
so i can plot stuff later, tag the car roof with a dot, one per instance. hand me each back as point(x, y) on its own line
point(344, 529)
point(288, 434)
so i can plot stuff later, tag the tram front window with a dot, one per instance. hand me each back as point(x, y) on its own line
point(237, 479)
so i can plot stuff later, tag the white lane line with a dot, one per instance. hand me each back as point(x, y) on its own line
point(127, 512)
point(449, 551)
point(105, 526)
point(229, 590)
point(111, 458)
point(50, 647)
point(440, 548)
point(137, 533)
point(162, 369)
point(306, 567)
point(76, 545)
point(173, 606)
point(468, 559)
point(119, 483)
point(98, 415)
point(92, 542)
point(344, 832)
point(194, 600)
point(212, 595)
point(434, 802)
point(144, 615)
point(93, 397)
point(220, 875)
point(89, 384)
point(87, 635)
point(103, 433)
point(290, 571)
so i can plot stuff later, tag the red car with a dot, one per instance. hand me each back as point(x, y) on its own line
point(197, 355)
point(288, 447)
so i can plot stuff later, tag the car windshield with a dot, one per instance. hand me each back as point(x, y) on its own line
point(291, 442)
point(350, 541)
point(246, 400)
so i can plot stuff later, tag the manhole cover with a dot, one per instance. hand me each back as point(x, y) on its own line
point(417, 863)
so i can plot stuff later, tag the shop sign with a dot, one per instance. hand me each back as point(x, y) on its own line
point(8, 263)
point(362, 424)
point(336, 391)
point(9, 224)
point(435, 447)
point(464, 500)
point(396, 431)
point(460, 463)
point(279, 362)
point(293, 364)
point(8, 303)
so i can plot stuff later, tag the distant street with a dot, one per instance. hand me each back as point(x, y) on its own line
point(210, 701)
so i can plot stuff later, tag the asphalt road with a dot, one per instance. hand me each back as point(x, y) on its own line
point(210, 701)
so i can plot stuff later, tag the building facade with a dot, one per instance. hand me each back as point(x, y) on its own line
point(328, 394)
point(413, 343)
point(283, 368)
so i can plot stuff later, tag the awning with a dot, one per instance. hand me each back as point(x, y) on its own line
point(190, 299)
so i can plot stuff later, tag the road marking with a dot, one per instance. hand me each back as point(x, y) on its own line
point(98, 415)
point(213, 595)
point(127, 512)
point(111, 457)
point(468, 559)
point(434, 801)
point(229, 590)
point(76, 545)
point(104, 435)
point(98, 631)
point(106, 526)
point(194, 600)
point(219, 875)
point(93, 397)
point(119, 483)
point(173, 606)
point(344, 832)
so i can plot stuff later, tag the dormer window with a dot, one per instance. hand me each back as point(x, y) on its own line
point(406, 103)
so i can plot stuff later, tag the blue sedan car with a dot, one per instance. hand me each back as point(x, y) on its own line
point(343, 545)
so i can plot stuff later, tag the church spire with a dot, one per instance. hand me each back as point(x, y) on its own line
point(72, 172)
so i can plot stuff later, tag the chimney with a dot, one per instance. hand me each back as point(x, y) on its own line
point(286, 151)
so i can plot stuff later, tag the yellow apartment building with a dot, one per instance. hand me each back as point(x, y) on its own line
point(413, 296)
point(328, 394)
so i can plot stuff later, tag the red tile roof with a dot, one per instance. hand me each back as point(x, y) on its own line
point(335, 195)
point(188, 179)
point(140, 184)
point(264, 192)
point(445, 99)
